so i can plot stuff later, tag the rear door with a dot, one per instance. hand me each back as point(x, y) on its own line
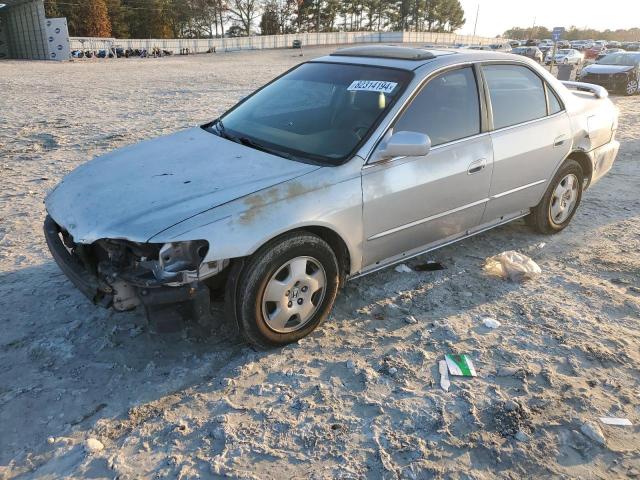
point(411, 202)
point(531, 136)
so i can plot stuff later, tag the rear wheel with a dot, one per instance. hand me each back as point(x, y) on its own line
point(632, 87)
point(560, 202)
point(286, 289)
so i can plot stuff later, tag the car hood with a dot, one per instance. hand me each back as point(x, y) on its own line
point(607, 69)
point(138, 191)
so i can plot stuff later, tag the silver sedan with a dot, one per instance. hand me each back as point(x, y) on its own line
point(340, 167)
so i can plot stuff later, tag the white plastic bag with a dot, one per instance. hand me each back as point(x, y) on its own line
point(490, 322)
point(512, 265)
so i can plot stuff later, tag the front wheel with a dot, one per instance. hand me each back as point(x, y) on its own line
point(287, 289)
point(560, 202)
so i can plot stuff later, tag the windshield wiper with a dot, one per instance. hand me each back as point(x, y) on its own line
point(221, 131)
point(258, 146)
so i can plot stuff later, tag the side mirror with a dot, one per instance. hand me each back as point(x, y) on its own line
point(403, 144)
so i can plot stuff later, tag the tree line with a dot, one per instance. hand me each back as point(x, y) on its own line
point(218, 18)
point(574, 33)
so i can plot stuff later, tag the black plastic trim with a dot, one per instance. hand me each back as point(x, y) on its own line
point(70, 265)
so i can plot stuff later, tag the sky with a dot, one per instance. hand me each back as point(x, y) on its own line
point(496, 16)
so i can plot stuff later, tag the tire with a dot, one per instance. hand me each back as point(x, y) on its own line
point(548, 217)
point(631, 88)
point(276, 271)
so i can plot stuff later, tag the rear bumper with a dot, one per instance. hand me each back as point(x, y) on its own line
point(603, 159)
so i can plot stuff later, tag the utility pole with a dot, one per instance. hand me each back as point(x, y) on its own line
point(475, 26)
point(533, 29)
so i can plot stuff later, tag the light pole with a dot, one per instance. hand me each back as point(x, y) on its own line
point(533, 28)
point(475, 26)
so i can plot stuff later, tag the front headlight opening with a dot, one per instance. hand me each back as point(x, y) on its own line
point(183, 256)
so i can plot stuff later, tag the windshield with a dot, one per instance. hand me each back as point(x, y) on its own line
point(621, 59)
point(318, 111)
point(564, 52)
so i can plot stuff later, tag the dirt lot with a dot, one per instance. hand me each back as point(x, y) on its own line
point(360, 397)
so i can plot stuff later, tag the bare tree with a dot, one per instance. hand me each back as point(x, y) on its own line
point(244, 12)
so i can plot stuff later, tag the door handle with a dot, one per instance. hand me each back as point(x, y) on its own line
point(558, 142)
point(477, 166)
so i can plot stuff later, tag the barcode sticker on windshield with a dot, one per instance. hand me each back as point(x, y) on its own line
point(372, 86)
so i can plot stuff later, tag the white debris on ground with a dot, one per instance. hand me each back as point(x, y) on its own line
point(490, 322)
point(359, 398)
point(512, 265)
point(593, 431)
point(402, 268)
point(93, 445)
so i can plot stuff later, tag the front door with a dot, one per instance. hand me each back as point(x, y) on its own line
point(413, 202)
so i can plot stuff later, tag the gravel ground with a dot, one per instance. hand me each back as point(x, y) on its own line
point(358, 398)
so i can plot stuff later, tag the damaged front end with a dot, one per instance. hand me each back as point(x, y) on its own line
point(171, 281)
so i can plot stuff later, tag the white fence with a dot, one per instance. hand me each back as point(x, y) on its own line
point(276, 41)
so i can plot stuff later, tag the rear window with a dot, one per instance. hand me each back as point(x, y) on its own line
point(554, 103)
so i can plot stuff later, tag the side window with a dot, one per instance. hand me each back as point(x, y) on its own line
point(446, 109)
point(554, 104)
point(517, 95)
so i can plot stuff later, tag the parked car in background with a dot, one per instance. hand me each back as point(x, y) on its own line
point(515, 43)
point(582, 45)
point(532, 43)
point(296, 44)
point(565, 56)
point(593, 52)
point(545, 49)
point(617, 72)
point(609, 51)
point(501, 47)
point(342, 166)
point(533, 53)
point(631, 46)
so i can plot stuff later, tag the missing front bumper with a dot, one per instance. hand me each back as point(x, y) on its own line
point(168, 308)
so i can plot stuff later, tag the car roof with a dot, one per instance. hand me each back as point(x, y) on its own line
point(408, 58)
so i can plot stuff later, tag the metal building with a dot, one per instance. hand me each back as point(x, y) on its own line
point(23, 31)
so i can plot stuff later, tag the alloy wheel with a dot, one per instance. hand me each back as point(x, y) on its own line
point(632, 87)
point(564, 199)
point(293, 294)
